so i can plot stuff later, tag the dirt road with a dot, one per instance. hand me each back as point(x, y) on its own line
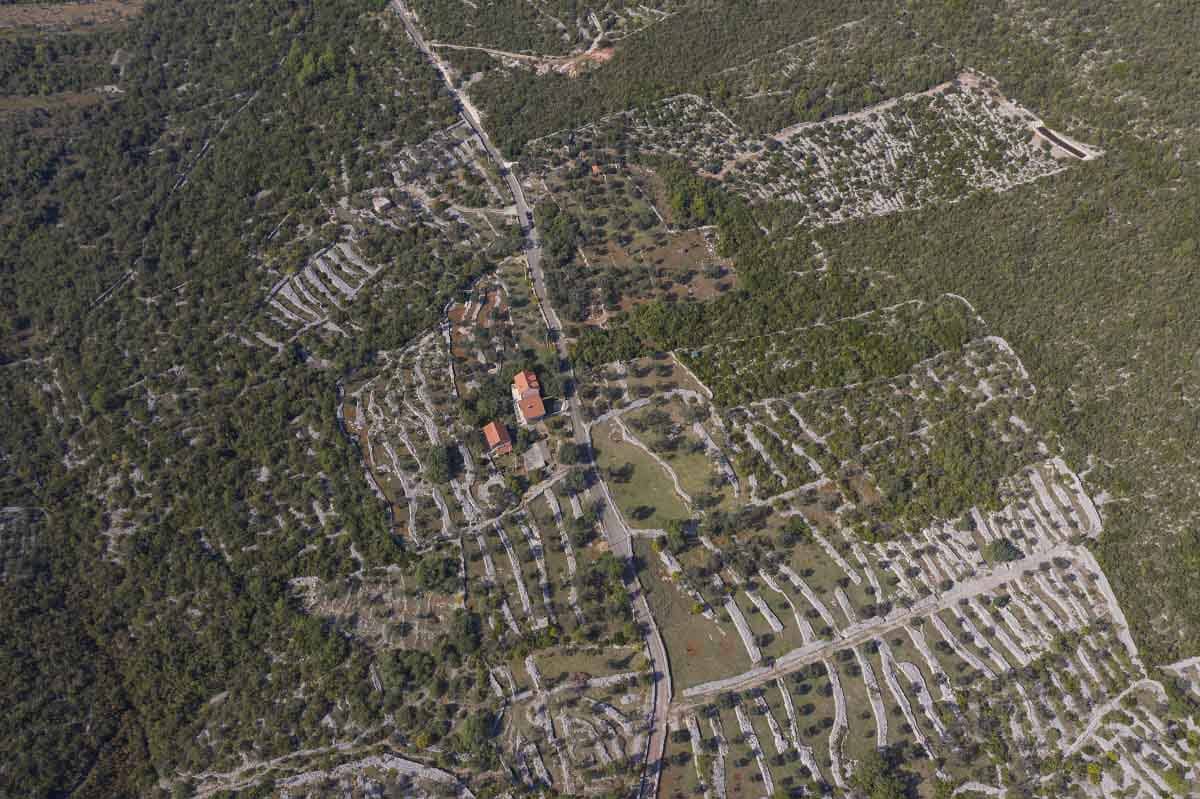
point(870, 629)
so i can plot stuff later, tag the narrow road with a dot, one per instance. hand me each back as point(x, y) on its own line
point(615, 530)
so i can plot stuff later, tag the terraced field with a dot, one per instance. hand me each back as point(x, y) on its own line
point(964, 624)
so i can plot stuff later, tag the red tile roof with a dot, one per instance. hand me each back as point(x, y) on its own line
point(496, 434)
point(526, 381)
point(531, 407)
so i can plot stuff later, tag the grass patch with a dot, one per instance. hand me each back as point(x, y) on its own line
point(529, 329)
point(790, 638)
point(647, 498)
point(700, 650)
point(678, 780)
point(68, 16)
point(758, 624)
point(815, 712)
point(529, 568)
point(697, 472)
point(595, 662)
point(860, 739)
point(742, 777)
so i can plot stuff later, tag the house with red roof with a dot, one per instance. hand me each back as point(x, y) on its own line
point(527, 397)
point(497, 438)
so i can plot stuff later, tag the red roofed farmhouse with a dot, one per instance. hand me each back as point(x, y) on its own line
point(497, 438)
point(527, 397)
point(530, 409)
point(526, 381)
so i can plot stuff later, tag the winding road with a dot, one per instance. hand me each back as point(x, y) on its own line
point(615, 529)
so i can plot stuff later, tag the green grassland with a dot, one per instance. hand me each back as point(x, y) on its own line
point(700, 650)
point(649, 487)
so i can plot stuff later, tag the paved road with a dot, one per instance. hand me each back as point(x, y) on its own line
point(615, 530)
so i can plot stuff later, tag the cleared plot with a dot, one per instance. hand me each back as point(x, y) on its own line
point(426, 519)
point(760, 628)
point(520, 560)
point(661, 373)
point(636, 388)
point(627, 385)
point(701, 650)
point(643, 490)
point(566, 664)
point(679, 779)
point(557, 566)
point(743, 778)
point(791, 636)
point(622, 252)
point(789, 767)
point(509, 576)
point(960, 672)
point(15, 104)
point(539, 509)
point(529, 329)
point(535, 575)
point(68, 15)
point(901, 732)
point(864, 732)
point(699, 573)
point(813, 567)
point(815, 708)
point(669, 430)
point(668, 267)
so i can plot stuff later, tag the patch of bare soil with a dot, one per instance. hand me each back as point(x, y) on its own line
point(572, 65)
point(592, 58)
point(484, 317)
point(867, 493)
point(685, 266)
point(500, 307)
point(17, 103)
point(658, 192)
point(68, 16)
